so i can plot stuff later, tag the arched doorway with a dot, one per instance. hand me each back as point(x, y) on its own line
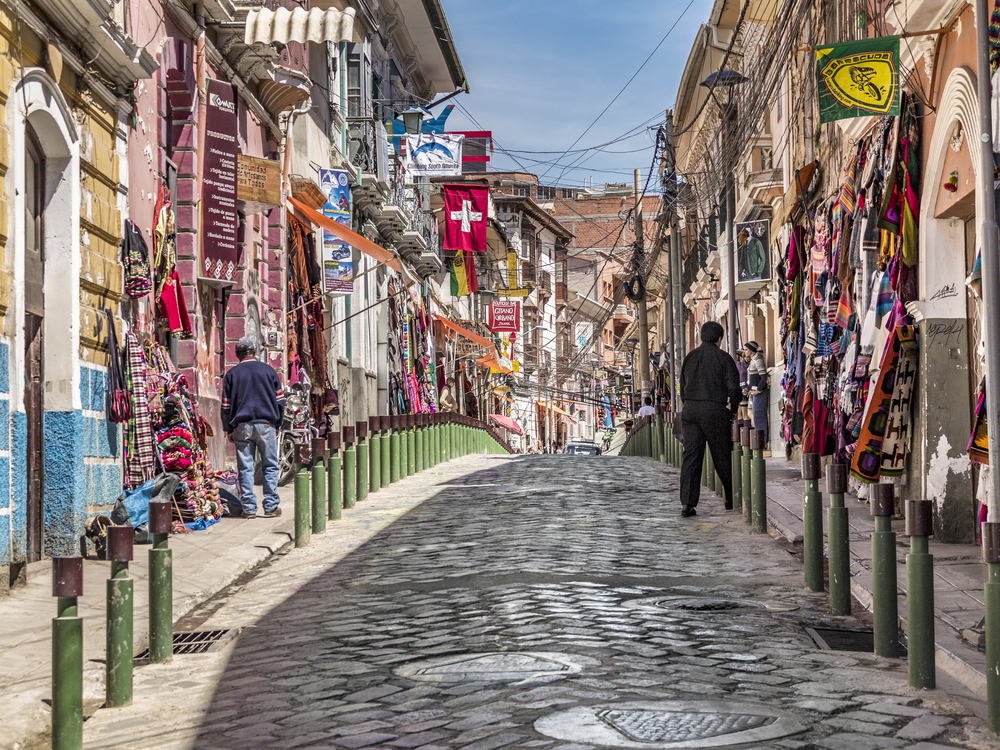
point(45, 370)
point(949, 236)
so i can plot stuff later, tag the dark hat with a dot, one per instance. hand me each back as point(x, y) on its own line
point(753, 346)
point(244, 346)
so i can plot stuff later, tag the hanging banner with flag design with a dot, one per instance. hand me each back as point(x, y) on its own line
point(858, 79)
point(466, 208)
point(463, 274)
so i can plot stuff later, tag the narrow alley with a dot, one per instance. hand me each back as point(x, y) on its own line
point(531, 602)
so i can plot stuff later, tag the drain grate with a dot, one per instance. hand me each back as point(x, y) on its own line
point(833, 639)
point(198, 642)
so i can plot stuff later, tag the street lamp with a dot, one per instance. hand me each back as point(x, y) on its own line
point(725, 80)
point(413, 118)
point(538, 376)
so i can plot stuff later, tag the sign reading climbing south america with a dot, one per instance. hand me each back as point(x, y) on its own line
point(858, 79)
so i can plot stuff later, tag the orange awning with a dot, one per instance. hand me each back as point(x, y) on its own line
point(553, 407)
point(349, 236)
point(505, 398)
point(491, 361)
point(490, 346)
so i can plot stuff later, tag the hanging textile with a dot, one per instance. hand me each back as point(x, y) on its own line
point(117, 402)
point(135, 261)
point(139, 452)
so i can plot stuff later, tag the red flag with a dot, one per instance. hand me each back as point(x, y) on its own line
point(465, 213)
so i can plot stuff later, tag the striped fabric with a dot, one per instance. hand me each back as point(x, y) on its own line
point(844, 309)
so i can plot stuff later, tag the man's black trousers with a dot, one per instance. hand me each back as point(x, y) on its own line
point(706, 421)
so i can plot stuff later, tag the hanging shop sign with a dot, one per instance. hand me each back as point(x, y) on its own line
point(258, 183)
point(858, 79)
point(504, 317)
point(583, 333)
point(338, 262)
point(219, 249)
point(434, 155)
point(752, 255)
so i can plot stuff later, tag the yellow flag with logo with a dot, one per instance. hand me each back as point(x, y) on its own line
point(858, 79)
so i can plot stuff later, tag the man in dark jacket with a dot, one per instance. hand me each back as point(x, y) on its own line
point(252, 407)
point(710, 392)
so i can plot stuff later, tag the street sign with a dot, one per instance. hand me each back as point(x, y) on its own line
point(504, 317)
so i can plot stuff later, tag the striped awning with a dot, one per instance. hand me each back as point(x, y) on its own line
point(299, 25)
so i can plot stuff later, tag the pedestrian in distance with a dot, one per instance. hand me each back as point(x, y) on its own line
point(447, 397)
point(757, 382)
point(647, 410)
point(253, 404)
point(710, 392)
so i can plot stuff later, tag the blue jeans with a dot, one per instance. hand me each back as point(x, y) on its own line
point(263, 439)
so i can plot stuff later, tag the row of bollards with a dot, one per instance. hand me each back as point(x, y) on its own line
point(750, 499)
point(885, 592)
point(340, 471)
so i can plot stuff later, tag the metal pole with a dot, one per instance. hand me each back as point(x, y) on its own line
point(319, 509)
point(333, 477)
point(394, 448)
point(420, 440)
point(67, 655)
point(411, 445)
point(731, 248)
point(745, 476)
point(350, 467)
point(758, 483)
point(644, 383)
point(812, 523)
point(386, 453)
point(362, 459)
point(991, 334)
point(675, 323)
point(375, 454)
point(885, 605)
point(161, 583)
point(302, 529)
point(737, 468)
point(837, 541)
point(920, 595)
point(119, 650)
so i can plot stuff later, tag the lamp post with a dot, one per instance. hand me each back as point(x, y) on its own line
point(726, 79)
point(538, 379)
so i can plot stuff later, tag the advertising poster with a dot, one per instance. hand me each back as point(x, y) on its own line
point(752, 251)
point(338, 266)
point(504, 317)
point(434, 155)
point(220, 252)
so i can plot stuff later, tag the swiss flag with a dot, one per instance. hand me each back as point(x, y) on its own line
point(465, 213)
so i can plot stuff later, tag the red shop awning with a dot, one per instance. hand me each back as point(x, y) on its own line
point(507, 423)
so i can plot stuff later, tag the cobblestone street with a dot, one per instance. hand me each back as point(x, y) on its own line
point(531, 602)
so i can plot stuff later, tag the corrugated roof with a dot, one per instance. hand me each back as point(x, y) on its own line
point(299, 25)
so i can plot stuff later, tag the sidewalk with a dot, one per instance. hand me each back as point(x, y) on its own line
point(204, 562)
point(959, 573)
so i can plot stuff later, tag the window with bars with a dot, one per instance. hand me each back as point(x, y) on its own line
point(546, 193)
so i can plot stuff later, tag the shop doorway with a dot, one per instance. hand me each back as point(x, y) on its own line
point(34, 341)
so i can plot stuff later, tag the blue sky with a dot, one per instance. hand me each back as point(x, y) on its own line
point(541, 70)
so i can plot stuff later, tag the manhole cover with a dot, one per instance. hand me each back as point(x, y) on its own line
point(198, 641)
point(708, 604)
point(670, 724)
point(834, 639)
point(501, 666)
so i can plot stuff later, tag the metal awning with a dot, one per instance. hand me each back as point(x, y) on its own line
point(299, 25)
point(507, 423)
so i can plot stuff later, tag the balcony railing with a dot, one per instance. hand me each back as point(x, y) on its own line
point(362, 144)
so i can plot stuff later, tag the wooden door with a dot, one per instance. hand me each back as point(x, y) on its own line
point(34, 346)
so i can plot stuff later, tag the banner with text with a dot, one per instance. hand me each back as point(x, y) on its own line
point(434, 154)
point(858, 79)
point(219, 250)
point(504, 317)
point(338, 263)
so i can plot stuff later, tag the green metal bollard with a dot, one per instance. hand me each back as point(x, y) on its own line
point(319, 500)
point(709, 469)
point(661, 440)
point(420, 440)
point(119, 649)
point(746, 480)
point(438, 439)
point(350, 467)
point(375, 454)
point(758, 484)
point(362, 459)
point(404, 445)
point(411, 444)
point(812, 523)
point(302, 509)
point(161, 584)
point(920, 595)
point(394, 448)
point(885, 604)
point(737, 469)
point(991, 598)
point(704, 467)
point(837, 541)
point(334, 480)
point(67, 655)
point(385, 460)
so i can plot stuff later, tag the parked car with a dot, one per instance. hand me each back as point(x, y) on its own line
point(582, 448)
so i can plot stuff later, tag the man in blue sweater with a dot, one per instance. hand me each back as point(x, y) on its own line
point(252, 407)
